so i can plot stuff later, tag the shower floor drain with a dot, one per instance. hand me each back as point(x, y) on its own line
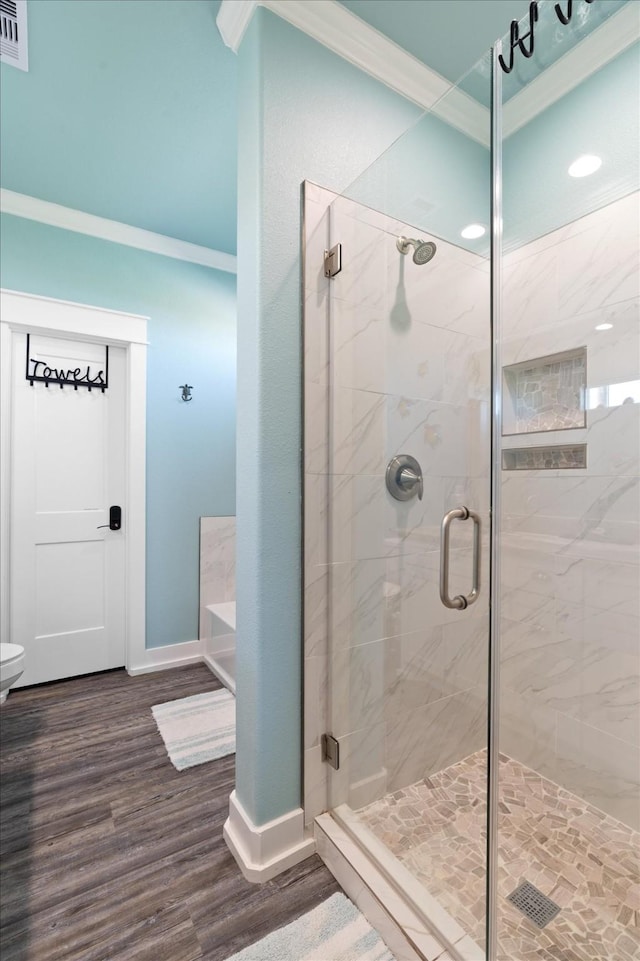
point(534, 904)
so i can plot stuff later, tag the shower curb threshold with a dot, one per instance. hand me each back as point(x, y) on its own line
point(412, 923)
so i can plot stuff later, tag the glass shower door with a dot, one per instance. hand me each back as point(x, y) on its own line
point(438, 408)
point(409, 466)
point(569, 779)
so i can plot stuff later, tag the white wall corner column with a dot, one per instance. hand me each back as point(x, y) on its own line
point(263, 851)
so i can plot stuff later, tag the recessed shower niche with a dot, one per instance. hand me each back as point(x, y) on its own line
point(545, 394)
point(545, 458)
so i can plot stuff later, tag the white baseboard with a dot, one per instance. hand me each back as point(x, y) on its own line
point(217, 669)
point(164, 658)
point(264, 851)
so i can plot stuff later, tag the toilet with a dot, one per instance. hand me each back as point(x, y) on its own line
point(11, 667)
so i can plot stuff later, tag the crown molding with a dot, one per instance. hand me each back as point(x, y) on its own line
point(233, 19)
point(341, 31)
point(55, 215)
point(610, 39)
point(337, 28)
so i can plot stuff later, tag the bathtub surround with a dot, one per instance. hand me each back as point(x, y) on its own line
point(570, 671)
point(219, 647)
point(217, 563)
point(217, 597)
point(197, 729)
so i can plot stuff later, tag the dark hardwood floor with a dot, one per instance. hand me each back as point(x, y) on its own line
point(107, 853)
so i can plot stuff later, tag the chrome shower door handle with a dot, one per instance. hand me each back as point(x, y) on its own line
point(460, 602)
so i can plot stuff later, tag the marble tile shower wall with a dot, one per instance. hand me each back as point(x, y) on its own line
point(570, 566)
point(408, 373)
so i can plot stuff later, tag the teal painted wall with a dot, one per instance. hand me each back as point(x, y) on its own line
point(435, 178)
point(303, 114)
point(192, 338)
point(597, 117)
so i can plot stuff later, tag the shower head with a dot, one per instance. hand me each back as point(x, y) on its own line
point(424, 251)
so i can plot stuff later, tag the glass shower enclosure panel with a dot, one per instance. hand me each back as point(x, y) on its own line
point(569, 780)
point(409, 469)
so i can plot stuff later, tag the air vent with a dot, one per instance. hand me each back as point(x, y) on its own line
point(13, 33)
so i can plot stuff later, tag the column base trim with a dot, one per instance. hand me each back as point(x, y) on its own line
point(264, 851)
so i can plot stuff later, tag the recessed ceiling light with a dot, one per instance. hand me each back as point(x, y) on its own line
point(585, 165)
point(604, 326)
point(473, 231)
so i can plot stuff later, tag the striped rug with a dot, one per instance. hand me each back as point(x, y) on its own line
point(334, 931)
point(197, 729)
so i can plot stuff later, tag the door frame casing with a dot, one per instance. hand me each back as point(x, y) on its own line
point(23, 312)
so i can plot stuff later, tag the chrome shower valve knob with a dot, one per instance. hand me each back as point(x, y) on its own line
point(404, 478)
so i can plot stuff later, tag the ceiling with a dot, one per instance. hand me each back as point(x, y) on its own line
point(448, 35)
point(128, 110)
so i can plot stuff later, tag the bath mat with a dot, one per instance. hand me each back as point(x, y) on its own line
point(198, 728)
point(334, 931)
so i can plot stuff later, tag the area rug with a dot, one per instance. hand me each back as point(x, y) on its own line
point(334, 931)
point(198, 728)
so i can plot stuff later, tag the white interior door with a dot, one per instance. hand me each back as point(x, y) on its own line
point(67, 567)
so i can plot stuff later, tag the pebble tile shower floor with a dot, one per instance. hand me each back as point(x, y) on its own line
point(584, 860)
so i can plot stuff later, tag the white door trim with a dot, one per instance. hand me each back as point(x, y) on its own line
point(45, 315)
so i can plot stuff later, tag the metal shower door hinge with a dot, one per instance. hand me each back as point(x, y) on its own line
point(333, 261)
point(331, 750)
